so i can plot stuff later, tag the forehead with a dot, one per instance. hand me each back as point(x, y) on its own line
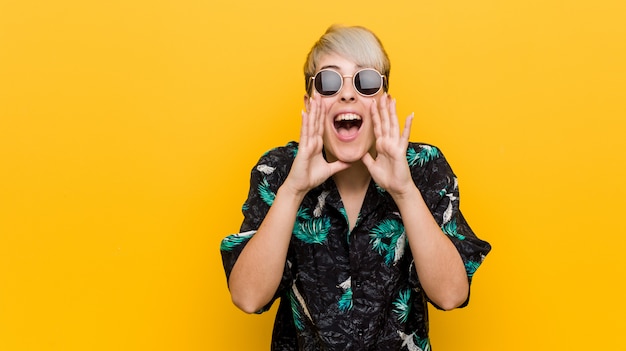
point(338, 62)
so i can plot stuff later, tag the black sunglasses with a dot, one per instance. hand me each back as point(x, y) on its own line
point(366, 82)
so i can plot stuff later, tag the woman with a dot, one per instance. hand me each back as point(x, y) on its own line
point(355, 228)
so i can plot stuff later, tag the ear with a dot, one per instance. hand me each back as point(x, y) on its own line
point(306, 102)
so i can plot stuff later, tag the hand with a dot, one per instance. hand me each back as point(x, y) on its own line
point(390, 169)
point(309, 168)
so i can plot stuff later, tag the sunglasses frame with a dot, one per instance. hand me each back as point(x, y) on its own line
point(383, 80)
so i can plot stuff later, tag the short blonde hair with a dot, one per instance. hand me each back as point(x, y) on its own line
point(355, 43)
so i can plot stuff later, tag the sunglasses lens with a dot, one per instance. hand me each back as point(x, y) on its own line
point(328, 82)
point(368, 82)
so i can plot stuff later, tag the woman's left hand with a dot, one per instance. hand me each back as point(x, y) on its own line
point(390, 169)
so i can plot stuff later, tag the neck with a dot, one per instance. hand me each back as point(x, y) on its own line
point(352, 185)
point(356, 177)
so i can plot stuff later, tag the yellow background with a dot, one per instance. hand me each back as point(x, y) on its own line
point(128, 129)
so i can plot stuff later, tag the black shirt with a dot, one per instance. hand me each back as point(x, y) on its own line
point(353, 290)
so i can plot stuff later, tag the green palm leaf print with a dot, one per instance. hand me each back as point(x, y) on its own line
point(266, 193)
point(388, 239)
point(232, 241)
point(451, 229)
point(312, 231)
point(425, 154)
point(403, 307)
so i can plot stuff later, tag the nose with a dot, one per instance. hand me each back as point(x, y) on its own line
point(347, 93)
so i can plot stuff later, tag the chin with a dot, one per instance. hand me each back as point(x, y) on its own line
point(349, 155)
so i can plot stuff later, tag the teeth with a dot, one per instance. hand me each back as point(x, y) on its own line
point(347, 117)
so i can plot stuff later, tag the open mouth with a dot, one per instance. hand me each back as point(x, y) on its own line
point(348, 124)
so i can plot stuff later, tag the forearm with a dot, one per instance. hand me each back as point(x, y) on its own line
point(259, 268)
point(438, 263)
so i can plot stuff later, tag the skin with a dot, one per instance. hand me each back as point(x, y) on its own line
point(378, 152)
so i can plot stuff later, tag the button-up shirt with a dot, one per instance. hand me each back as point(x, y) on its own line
point(353, 289)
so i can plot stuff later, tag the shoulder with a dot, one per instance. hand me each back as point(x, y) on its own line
point(276, 162)
point(421, 154)
point(281, 154)
point(428, 164)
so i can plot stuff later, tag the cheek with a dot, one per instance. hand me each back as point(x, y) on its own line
point(326, 104)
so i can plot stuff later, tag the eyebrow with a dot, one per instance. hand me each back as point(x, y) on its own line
point(337, 67)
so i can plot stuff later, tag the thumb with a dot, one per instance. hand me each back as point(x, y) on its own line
point(368, 160)
point(338, 166)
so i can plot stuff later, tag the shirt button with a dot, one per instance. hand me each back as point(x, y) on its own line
point(359, 333)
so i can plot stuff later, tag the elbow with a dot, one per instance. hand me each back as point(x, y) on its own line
point(248, 296)
point(452, 300)
point(451, 303)
point(247, 304)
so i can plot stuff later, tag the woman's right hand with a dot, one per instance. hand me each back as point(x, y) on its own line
point(309, 168)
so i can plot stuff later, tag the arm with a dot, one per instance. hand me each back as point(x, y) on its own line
point(259, 268)
point(438, 264)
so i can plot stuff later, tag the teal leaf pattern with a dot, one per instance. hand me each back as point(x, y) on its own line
point(232, 241)
point(388, 239)
point(471, 267)
point(295, 311)
point(342, 210)
point(451, 229)
point(302, 213)
point(402, 306)
point(345, 302)
point(266, 193)
point(427, 153)
point(312, 231)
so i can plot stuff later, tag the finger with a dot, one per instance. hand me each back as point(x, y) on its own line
point(376, 119)
point(320, 117)
point(338, 166)
point(407, 127)
point(304, 128)
point(312, 113)
point(367, 160)
point(394, 126)
point(384, 114)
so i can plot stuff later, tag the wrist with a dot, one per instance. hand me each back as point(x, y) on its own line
point(288, 190)
point(409, 193)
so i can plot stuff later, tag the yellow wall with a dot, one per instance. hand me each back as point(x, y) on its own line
point(128, 128)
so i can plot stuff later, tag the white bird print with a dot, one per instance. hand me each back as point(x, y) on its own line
point(321, 202)
point(300, 299)
point(346, 284)
point(400, 247)
point(407, 340)
point(447, 214)
point(265, 169)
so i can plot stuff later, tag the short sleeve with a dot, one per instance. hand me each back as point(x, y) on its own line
point(265, 179)
point(439, 187)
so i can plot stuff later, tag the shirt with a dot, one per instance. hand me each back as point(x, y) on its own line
point(353, 289)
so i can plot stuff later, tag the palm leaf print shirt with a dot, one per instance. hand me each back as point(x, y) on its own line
point(353, 290)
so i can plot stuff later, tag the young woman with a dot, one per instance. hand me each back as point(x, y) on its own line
point(354, 228)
